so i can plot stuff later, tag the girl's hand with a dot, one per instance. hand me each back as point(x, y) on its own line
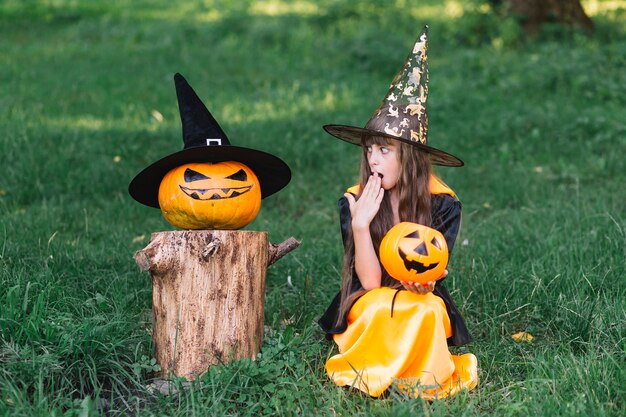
point(417, 288)
point(365, 208)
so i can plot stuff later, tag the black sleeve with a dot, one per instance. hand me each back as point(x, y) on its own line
point(345, 221)
point(328, 321)
point(447, 217)
point(344, 218)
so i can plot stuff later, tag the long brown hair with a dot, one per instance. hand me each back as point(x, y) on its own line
point(414, 206)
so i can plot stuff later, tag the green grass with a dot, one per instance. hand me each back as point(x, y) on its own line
point(540, 125)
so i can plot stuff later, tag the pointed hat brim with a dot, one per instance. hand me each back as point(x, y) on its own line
point(355, 135)
point(272, 172)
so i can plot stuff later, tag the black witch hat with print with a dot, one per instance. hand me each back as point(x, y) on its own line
point(402, 114)
point(205, 142)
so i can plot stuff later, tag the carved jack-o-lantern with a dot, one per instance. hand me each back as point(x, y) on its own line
point(414, 252)
point(222, 195)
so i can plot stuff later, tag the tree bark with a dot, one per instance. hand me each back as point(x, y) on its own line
point(208, 292)
point(536, 12)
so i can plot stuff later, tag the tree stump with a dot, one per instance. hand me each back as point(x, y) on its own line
point(208, 295)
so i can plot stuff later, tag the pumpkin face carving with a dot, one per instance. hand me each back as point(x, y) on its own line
point(221, 195)
point(413, 252)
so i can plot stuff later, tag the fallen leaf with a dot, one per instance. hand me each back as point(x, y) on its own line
point(157, 116)
point(522, 337)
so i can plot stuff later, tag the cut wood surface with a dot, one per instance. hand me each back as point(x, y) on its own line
point(208, 296)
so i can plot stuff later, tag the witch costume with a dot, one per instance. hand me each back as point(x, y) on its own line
point(391, 336)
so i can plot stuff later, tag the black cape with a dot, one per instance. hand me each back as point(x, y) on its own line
point(446, 217)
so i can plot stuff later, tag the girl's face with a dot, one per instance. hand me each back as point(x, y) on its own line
point(384, 160)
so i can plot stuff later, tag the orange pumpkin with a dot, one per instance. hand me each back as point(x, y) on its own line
point(414, 252)
point(221, 195)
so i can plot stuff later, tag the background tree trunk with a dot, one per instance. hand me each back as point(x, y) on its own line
point(536, 12)
point(208, 296)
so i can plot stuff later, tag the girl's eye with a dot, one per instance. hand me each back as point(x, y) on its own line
point(384, 150)
point(369, 149)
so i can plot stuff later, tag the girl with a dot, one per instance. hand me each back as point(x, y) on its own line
point(390, 332)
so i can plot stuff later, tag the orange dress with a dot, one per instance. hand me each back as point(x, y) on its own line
point(405, 347)
point(400, 338)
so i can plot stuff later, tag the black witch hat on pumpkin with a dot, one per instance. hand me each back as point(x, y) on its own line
point(205, 141)
point(402, 114)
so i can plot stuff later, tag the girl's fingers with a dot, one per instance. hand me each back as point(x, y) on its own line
point(372, 187)
point(409, 286)
point(369, 201)
point(369, 187)
point(377, 183)
point(418, 288)
point(350, 199)
point(381, 194)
